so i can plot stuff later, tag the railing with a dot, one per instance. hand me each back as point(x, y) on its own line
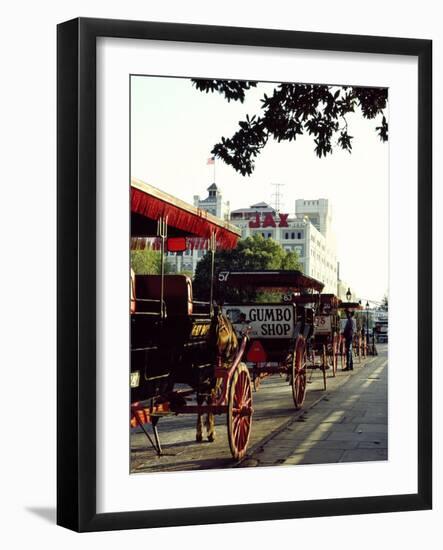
point(203, 309)
point(161, 312)
point(200, 309)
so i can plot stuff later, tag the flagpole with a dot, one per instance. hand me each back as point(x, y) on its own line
point(214, 169)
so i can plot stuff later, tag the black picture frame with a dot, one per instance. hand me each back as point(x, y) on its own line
point(76, 281)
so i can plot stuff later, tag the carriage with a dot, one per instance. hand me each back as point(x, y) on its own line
point(185, 356)
point(324, 346)
point(359, 341)
point(277, 308)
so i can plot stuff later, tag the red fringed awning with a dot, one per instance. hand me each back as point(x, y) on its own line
point(151, 204)
point(154, 243)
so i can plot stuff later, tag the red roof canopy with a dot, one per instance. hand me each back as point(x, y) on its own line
point(148, 204)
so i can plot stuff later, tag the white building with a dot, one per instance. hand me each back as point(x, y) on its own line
point(309, 233)
point(213, 203)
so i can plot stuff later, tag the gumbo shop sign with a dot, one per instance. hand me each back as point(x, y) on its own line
point(264, 320)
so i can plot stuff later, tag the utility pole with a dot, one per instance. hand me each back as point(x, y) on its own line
point(276, 196)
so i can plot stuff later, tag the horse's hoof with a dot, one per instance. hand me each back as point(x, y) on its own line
point(199, 438)
point(211, 438)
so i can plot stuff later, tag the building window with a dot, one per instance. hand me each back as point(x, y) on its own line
point(292, 235)
point(286, 235)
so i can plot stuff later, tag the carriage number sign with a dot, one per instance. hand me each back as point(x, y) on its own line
point(265, 321)
point(322, 324)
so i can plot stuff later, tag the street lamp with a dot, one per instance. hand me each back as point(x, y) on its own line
point(348, 295)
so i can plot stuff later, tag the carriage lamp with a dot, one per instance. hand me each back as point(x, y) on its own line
point(348, 295)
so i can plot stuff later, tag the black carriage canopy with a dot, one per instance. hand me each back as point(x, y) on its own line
point(269, 279)
point(322, 299)
point(149, 204)
point(350, 305)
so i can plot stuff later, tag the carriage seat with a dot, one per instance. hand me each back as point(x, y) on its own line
point(177, 293)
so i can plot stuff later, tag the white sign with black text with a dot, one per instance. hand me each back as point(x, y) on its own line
point(264, 320)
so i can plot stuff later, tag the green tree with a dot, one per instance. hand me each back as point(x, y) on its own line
point(147, 262)
point(253, 253)
point(292, 110)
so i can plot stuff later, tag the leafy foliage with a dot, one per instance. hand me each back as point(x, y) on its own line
point(146, 262)
point(293, 110)
point(231, 89)
point(253, 253)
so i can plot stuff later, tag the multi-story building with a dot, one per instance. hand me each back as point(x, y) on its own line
point(214, 204)
point(343, 288)
point(309, 233)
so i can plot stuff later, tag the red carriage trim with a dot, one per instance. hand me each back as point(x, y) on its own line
point(256, 353)
point(153, 204)
point(154, 243)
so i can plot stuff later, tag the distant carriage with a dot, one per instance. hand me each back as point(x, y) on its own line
point(323, 348)
point(185, 355)
point(359, 341)
point(279, 327)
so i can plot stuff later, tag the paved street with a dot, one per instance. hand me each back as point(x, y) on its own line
point(347, 423)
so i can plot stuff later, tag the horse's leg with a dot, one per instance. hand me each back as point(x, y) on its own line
point(210, 426)
point(199, 429)
point(210, 420)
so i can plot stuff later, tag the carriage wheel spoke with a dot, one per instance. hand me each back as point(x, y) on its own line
point(239, 412)
point(242, 433)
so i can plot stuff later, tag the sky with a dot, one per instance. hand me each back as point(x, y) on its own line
point(174, 127)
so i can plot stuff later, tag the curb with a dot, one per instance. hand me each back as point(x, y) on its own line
point(294, 418)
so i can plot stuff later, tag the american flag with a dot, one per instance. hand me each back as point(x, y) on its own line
point(211, 160)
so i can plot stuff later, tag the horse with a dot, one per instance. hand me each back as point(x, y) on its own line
point(224, 340)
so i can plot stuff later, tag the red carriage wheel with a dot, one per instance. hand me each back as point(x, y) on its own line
point(334, 354)
point(239, 417)
point(298, 374)
point(324, 363)
point(342, 352)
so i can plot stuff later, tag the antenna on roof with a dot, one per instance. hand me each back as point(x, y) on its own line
point(276, 196)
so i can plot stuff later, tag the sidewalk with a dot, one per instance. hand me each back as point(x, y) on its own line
point(348, 425)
